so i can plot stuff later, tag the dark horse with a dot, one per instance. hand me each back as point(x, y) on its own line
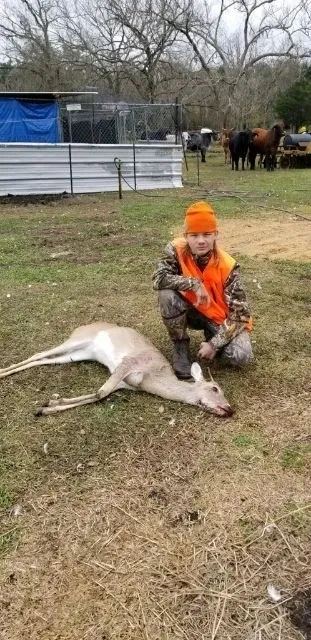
point(265, 142)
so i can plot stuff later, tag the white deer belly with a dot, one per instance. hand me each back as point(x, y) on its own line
point(107, 352)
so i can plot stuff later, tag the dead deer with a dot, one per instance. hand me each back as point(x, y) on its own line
point(134, 363)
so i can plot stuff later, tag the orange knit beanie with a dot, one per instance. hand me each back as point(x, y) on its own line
point(200, 218)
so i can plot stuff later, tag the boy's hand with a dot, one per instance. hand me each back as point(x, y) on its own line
point(207, 351)
point(202, 296)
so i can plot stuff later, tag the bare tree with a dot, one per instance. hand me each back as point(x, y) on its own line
point(148, 38)
point(255, 96)
point(227, 55)
point(123, 40)
point(28, 32)
point(94, 42)
point(264, 30)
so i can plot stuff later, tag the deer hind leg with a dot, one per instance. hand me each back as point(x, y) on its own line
point(44, 357)
point(74, 356)
point(129, 369)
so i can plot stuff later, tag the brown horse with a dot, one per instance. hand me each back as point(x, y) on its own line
point(226, 135)
point(265, 142)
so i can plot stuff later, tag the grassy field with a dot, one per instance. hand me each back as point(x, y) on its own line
point(138, 518)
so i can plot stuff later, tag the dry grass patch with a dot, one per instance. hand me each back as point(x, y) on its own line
point(272, 238)
point(163, 547)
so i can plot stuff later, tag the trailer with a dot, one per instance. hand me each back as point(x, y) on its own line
point(295, 151)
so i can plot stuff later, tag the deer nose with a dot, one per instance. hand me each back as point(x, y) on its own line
point(228, 409)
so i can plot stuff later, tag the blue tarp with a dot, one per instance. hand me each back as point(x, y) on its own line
point(28, 121)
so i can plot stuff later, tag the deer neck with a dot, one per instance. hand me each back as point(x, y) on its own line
point(169, 388)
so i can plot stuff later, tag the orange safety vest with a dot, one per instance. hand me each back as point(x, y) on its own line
point(213, 277)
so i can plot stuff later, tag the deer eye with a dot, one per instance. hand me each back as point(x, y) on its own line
point(215, 389)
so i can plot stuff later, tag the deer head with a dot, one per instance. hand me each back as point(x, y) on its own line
point(208, 395)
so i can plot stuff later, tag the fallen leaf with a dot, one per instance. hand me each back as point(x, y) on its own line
point(17, 510)
point(269, 528)
point(273, 593)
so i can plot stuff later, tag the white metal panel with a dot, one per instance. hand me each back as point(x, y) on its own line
point(34, 169)
point(45, 168)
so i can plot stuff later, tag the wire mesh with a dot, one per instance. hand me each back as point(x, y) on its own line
point(121, 123)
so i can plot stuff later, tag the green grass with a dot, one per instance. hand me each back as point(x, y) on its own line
point(8, 541)
point(296, 458)
point(234, 472)
point(6, 498)
point(242, 440)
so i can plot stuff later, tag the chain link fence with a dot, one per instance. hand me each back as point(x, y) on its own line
point(120, 123)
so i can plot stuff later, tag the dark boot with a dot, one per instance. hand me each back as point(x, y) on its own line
point(182, 359)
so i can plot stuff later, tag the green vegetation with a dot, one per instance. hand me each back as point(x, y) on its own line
point(294, 104)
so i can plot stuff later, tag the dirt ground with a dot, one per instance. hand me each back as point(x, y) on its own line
point(288, 239)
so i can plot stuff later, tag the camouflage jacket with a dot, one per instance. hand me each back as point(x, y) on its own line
point(168, 275)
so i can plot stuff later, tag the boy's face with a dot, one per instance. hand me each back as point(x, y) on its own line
point(201, 243)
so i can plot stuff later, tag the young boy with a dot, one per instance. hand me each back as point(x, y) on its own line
point(199, 287)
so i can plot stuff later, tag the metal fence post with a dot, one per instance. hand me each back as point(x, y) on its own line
point(93, 120)
point(70, 169)
point(134, 146)
point(198, 167)
point(117, 162)
point(146, 126)
point(70, 127)
point(184, 152)
point(176, 120)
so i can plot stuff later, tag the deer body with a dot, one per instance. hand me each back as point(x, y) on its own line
point(134, 363)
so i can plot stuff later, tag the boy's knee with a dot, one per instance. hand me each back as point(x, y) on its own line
point(171, 303)
point(242, 358)
point(239, 351)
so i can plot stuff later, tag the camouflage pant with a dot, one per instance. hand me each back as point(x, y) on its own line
point(178, 314)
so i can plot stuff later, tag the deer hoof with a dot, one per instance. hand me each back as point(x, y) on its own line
point(39, 412)
point(45, 404)
point(53, 402)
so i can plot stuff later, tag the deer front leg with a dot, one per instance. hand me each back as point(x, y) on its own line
point(62, 404)
point(125, 370)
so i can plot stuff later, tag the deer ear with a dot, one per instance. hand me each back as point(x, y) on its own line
point(196, 372)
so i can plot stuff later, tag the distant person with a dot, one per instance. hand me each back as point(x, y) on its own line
point(199, 287)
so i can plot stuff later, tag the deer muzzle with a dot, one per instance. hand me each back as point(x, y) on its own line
point(224, 410)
